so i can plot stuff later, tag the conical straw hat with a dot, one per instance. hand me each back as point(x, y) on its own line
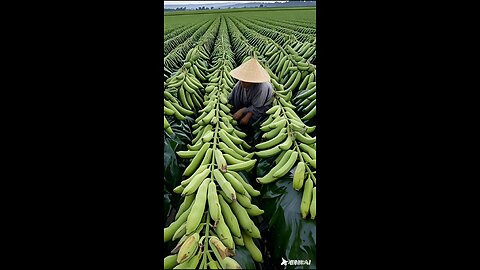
point(250, 71)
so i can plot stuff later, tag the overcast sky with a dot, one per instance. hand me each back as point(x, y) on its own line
point(208, 2)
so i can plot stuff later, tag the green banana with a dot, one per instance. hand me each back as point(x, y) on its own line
point(286, 104)
point(177, 114)
point(313, 205)
point(229, 263)
point(188, 248)
point(268, 178)
point(187, 154)
point(218, 248)
point(306, 198)
point(225, 197)
point(180, 232)
point(227, 150)
point(208, 157)
point(279, 157)
point(287, 166)
point(308, 159)
point(244, 166)
point(212, 199)
point(238, 241)
point(184, 206)
point(229, 217)
point(230, 144)
point(220, 159)
point(168, 111)
point(196, 160)
point(170, 261)
point(287, 143)
point(244, 201)
point(242, 216)
point(166, 126)
point(309, 150)
point(224, 233)
point(200, 169)
point(273, 109)
point(269, 152)
point(252, 248)
point(224, 185)
point(304, 139)
point(299, 176)
point(198, 208)
point(295, 83)
point(311, 114)
point(239, 133)
point(178, 190)
point(173, 227)
point(232, 160)
point(282, 135)
point(182, 110)
point(205, 120)
point(254, 210)
point(274, 132)
point(208, 136)
point(253, 192)
point(223, 126)
point(235, 184)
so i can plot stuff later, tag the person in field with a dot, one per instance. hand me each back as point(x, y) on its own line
point(252, 96)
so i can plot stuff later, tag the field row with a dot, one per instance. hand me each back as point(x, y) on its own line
point(301, 17)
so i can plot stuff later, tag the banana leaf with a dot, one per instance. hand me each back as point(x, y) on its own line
point(172, 174)
point(173, 165)
point(243, 257)
point(166, 205)
point(289, 236)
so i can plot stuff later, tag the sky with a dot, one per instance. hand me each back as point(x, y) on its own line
point(207, 2)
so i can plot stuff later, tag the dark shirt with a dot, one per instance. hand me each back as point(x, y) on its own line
point(257, 99)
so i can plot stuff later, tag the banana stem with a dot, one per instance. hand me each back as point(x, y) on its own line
point(206, 242)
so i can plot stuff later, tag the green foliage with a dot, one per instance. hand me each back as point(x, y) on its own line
point(281, 204)
point(243, 257)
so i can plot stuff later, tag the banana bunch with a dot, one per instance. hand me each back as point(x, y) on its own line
point(282, 27)
point(287, 138)
point(187, 87)
point(305, 49)
point(196, 62)
point(176, 30)
point(172, 42)
point(306, 101)
point(289, 65)
point(243, 50)
point(221, 65)
point(277, 36)
point(175, 57)
point(216, 209)
point(172, 107)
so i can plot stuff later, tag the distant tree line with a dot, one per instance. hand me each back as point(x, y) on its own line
point(203, 8)
point(290, 3)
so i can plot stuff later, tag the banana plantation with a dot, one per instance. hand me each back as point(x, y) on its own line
point(229, 202)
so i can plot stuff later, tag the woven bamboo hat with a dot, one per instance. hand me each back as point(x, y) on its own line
point(250, 71)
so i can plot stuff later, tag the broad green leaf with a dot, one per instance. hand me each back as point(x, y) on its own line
point(172, 174)
point(281, 204)
point(166, 205)
point(243, 257)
